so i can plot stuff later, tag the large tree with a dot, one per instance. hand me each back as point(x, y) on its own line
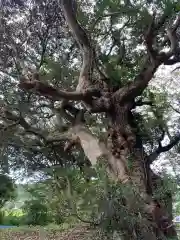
point(121, 45)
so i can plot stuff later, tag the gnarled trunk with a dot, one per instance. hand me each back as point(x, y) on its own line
point(126, 146)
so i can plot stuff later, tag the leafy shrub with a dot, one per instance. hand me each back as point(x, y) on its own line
point(36, 213)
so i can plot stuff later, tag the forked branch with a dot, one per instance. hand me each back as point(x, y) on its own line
point(142, 80)
point(48, 91)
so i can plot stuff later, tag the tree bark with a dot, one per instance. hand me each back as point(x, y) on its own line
point(125, 145)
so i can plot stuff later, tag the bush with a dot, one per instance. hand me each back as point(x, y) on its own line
point(35, 213)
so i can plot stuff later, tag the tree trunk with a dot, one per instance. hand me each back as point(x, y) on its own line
point(126, 146)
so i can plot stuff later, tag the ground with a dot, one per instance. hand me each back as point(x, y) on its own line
point(81, 232)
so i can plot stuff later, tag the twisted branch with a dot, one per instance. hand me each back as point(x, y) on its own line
point(48, 91)
point(141, 81)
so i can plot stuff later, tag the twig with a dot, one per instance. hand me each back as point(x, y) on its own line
point(175, 109)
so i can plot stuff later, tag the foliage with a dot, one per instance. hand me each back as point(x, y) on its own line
point(36, 213)
point(7, 189)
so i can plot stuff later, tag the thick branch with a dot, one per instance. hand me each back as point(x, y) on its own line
point(46, 90)
point(174, 43)
point(82, 39)
point(84, 91)
point(149, 38)
point(91, 96)
point(174, 50)
point(135, 88)
point(174, 29)
point(154, 155)
point(77, 30)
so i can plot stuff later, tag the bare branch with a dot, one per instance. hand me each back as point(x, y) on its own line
point(177, 68)
point(149, 38)
point(174, 43)
point(44, 42)
point(174, 28)
point(178, 111)
point(44, 46)
point(154, 155)
point(77, 30)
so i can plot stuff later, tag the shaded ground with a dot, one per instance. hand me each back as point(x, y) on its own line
point(76, 233)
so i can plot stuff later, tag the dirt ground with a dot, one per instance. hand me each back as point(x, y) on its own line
point(77, 233)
